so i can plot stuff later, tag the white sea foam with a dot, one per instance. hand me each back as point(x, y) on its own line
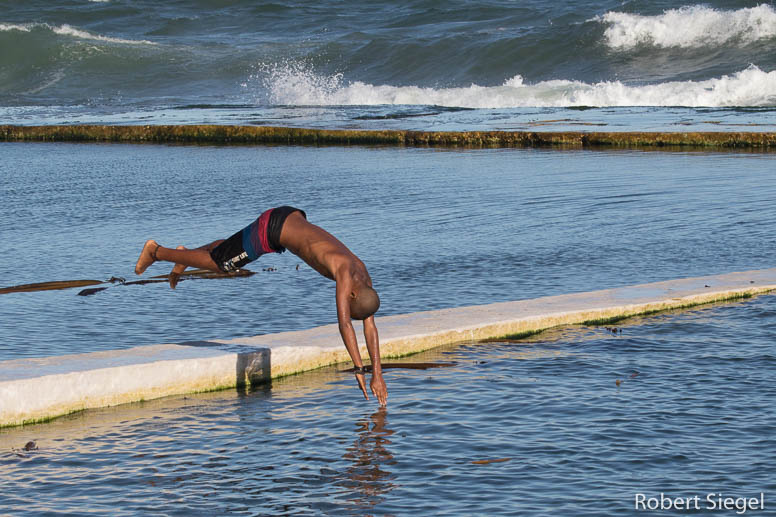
point(67, 30)
point(297, 85)
point(690, 26)
point(7, 27)
point(295, 80)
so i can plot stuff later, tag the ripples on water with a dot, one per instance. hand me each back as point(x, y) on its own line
point(436, 229)
point(692, 414)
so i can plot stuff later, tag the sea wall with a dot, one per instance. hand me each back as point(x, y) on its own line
point(34, 390)
point(223, 135)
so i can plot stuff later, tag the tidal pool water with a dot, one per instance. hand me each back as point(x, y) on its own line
point(436, 228)
point(574, 421)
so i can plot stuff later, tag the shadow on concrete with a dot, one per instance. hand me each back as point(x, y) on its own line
point(253, 365)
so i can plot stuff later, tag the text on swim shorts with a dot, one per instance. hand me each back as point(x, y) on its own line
point(229, 265)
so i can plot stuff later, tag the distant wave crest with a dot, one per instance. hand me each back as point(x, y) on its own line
point(67, 30)
point(297, 85)
point(690, 26)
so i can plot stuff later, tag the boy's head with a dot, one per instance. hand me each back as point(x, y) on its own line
point(363, 302)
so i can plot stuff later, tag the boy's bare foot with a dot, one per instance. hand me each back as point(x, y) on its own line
point(147, 256)
point(175, 274)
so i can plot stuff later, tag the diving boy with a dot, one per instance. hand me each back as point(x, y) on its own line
point(275, 231)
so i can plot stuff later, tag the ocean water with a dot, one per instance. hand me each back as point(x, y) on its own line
point(426, 64)
point(577, 421)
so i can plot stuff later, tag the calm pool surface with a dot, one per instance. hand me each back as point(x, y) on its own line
point(435, 228)
point(693, 414)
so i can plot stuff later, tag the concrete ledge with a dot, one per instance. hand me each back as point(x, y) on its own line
point(33, 390)
point(258, 135)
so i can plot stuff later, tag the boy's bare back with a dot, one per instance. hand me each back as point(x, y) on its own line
point(321, 250)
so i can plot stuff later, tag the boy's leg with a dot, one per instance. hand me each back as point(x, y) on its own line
point(178, 269)
point(231, 253)
point(199, 258)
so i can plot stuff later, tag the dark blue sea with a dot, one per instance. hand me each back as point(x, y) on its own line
point(574, 421)
point(425, 64)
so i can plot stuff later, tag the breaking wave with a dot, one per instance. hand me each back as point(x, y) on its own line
point(690, 26)
point(294, 84)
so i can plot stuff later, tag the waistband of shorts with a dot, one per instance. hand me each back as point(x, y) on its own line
point(277, 218)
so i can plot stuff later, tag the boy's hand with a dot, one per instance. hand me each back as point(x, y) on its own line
point(378, 388)
point(361, 378)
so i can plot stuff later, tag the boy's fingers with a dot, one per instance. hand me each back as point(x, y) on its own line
point(380, 392)
point(362, 384)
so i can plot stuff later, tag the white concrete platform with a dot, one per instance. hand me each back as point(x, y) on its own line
point(33, 390)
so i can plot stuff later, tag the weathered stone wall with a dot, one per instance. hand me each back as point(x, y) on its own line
point(222, 135)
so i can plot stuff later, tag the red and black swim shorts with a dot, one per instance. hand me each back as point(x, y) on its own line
point(253, 241)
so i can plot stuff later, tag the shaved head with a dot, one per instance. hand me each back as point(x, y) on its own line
point(365, 303)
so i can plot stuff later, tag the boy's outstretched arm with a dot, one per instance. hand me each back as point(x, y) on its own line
point(373, 346)
point(347, 332)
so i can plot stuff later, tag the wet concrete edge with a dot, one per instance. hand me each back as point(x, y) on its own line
point(36, 390)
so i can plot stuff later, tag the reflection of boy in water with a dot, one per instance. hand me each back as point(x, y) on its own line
point(368, 477)
point(284, 228)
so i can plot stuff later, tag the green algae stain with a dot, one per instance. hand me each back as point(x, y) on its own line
point(266, 135)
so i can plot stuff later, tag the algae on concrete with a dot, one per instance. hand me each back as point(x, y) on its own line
point(265, 135)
